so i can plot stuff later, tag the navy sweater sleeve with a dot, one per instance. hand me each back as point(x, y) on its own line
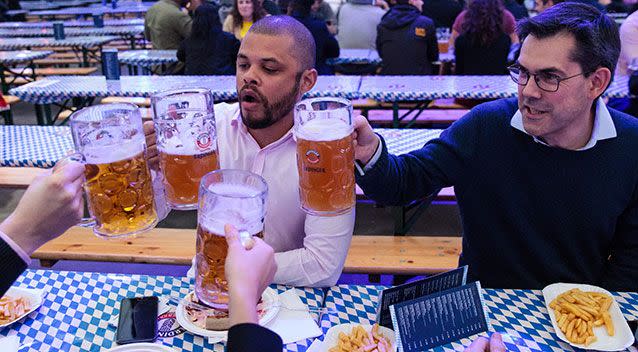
point(12, 266)
point(252, 337)
point(396, 180)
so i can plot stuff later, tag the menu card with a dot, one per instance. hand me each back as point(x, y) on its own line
point(439, 318)
point(416, 289)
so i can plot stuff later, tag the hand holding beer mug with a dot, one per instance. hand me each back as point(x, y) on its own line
point(186, 141)
point(325, 155)
point(109, 140)
point(234, 197)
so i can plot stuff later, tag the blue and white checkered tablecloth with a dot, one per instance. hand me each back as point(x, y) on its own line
point(520, 315)
point(34, 146)
point(86, 11)
point(22, 43)
point(49, 24)
point(59, 88)
point(404, 140)
point(416, 88)
point(16, 57)
point(146, 58)
point(72, 32)
point(78, 306)
point(356, 56)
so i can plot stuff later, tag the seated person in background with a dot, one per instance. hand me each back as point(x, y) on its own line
point(517, 9)
point(628, 43)
point(242, 16)
point(508, 23)
point(208, 50)
point(166, 25)
point(358, 22)
point(550, 180)
point(274, 69)
point(442, 12)
point(326, 45)
point(51, 204)
point(482, 46)
point(322, 11)
point(542, 5)
point(406, 40)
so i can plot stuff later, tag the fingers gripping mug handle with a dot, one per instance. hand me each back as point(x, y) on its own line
point(76, 157)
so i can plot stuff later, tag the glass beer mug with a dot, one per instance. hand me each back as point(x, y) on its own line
point(110, 142)
point(186, 142)
point(325, 155)
point(226, 196)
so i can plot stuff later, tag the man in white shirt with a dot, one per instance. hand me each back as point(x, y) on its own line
point(275, 67)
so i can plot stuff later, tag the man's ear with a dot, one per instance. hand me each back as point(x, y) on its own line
point(599, 80)
point(308, 80)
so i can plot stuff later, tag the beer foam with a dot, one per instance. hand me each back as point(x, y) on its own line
point(112, 153)
point(323, 130)
point(234, 204)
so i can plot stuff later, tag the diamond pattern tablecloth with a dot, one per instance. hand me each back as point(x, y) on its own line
point(85, 11)
point(78, 306)
point(73, 31)
point(23, 43)
point(16, 57)
point(49, 24)
point(146, 58)
point(520, 315)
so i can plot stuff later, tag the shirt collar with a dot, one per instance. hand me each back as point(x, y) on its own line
point(237, 123)
point(603, 126)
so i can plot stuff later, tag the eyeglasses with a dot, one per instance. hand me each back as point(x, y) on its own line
point(548, 82)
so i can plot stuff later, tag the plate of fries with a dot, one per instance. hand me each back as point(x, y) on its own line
point(17, 303)
point(357, 337)
point(587, 317)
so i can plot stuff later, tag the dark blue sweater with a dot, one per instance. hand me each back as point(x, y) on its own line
point(532, 215)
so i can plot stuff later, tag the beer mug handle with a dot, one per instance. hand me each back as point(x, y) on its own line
point(77, 157)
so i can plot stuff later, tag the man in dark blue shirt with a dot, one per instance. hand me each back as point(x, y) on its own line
point(547, 185)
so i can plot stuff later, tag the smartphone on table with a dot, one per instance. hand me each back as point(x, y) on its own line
point(138, 320)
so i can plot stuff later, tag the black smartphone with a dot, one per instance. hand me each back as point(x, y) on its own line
point(138, 320)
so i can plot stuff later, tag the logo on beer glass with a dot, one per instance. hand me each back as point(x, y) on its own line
point(204, 141)
point(312, 156)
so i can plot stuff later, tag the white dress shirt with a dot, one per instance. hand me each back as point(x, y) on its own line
point(309, 250)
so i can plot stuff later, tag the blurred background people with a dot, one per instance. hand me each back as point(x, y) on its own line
point(442, 12)
point(406, 40)
point(208, 50)
point(242, 17)
point(327, 45)
point(166, 25)
point(628, 43)
point(358, 21)
point(542, 5)
point(516, 9)
point(484, 33)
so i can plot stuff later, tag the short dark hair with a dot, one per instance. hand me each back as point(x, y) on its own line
point(205, 21)
point(596, 35)
point(553, 1)
point(305, 47)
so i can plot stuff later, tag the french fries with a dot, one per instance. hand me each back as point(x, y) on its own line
point(578, 312)
point(359, 340)
point(12, 307)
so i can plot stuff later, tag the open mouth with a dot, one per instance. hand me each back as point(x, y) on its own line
point(534, 112)
point(249, 96)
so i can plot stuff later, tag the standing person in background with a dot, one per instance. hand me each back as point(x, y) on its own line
point(242, 16)
point(358, 21)
point(406, 40)
point(166, 25)
point(483, 40)
point(327, 45)
point(442, 12)
point(208, 50)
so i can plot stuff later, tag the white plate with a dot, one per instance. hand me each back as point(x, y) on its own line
point(622, 338)
point(269, 298)
point(34, 296)
point(332, 336)
point(142, 347)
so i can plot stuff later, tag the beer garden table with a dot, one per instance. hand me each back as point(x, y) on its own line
point(85, 45)
point(518, 314)
point(371, 56)
point(128, 33)
point(78, 306)
point(146, 59)
point(49, 24)
point(123, 9)
point(9, 59)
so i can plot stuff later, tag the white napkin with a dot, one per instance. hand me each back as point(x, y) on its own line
point(293, 325)
point(10, 343)
point(316, 346)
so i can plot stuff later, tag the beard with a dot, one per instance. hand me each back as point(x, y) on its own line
point(273, 112)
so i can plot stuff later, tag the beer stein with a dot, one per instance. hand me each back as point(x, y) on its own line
point(325, 155)
point(186, 142)
point(234, 197)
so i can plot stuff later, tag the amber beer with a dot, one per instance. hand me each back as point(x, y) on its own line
point(325, 161)
point(119, 190)
point(233, 197)
point(182, 174)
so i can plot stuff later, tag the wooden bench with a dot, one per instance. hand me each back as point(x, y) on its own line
point(414, 255)
point(18, 177)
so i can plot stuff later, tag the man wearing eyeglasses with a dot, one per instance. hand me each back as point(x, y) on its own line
point(547, 184)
